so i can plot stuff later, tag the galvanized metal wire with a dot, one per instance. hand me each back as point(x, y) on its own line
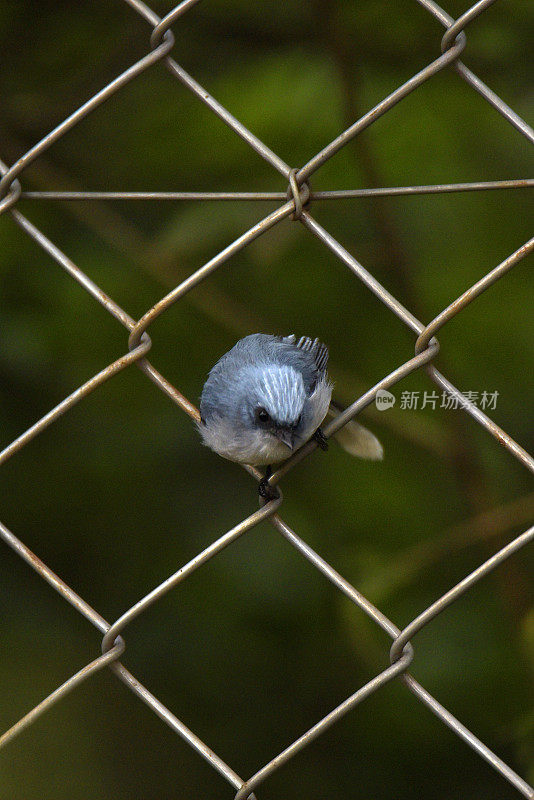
point(296, 204)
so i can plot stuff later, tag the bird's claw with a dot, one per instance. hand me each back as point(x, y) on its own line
point(321, 439)
point(266, 491)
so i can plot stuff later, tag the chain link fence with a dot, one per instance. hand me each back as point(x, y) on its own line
point(295, 204)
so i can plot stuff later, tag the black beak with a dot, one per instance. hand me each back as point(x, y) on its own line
point(285, 436)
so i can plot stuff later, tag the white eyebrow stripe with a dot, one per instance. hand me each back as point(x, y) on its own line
point(269, 383)
point(283, 389)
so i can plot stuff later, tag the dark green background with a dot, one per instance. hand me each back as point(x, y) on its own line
point(256, 647)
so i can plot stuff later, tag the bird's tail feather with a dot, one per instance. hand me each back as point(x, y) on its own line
point(356, 439)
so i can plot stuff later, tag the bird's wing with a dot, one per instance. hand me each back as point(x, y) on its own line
point(314, 347)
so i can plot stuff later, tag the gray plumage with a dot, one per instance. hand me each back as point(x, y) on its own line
point(267, 396)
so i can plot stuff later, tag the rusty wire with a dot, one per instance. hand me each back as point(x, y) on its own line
point(295, 203)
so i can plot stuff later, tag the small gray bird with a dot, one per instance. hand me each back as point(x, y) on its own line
point(267, 396)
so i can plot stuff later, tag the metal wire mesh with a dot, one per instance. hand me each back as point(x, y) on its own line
point(295, 205)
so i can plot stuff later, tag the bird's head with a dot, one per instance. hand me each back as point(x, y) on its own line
point(275, 404)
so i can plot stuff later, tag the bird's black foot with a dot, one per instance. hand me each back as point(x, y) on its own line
point(321, 439)
point(266, 491)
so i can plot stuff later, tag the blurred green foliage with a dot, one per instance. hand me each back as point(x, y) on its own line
point(256, 646)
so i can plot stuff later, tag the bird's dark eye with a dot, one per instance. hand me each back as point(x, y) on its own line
point(262, 415)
